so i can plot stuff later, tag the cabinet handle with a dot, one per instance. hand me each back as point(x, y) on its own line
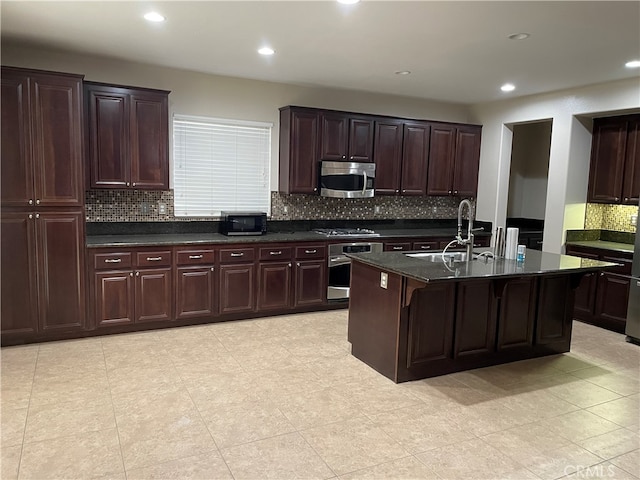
point(425, 247)
point(127, 184)
point(112, 260)
point(449, 192)
point(30, 201)
point(31, 215)
point(404, 191)
point(212, 269)
point(626, 199)
point(455, 192)
point(396, 248)
point(279, 252)
point(234, 254)
point(194, 257)
point(602, 274)
point(297, 264)
point(351, 157)
point(37, 215)
point(344, 157)
point(617, 199)
point(131, 274)
point(310, 252)
point(315, 189)
point(154, 259)
point(38, 201)
point(137, 274)
point(133, 184)
point(289, 264)
point(397, 191)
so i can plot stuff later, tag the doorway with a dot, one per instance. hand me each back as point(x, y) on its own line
point(528, 179)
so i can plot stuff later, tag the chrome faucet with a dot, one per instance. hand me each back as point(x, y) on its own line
point(469, 240)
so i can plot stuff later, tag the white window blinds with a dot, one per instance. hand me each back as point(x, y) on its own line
point(220, 165)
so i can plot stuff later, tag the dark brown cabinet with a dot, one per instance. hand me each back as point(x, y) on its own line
point(310, 275)
point(275, 273)
point(517, 311)
point(601, 298)
point(196, 294)
point(614, 175)
point(415, 152)
point(42, 274)
point(237, 280)
point(387, 155)
point(127, 137)
point(115, 294)
point(454, 158)
point(475, 320)
point(345, 137)
point(299, 133)
point(41, 139)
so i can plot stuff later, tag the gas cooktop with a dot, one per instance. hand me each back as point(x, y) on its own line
point(346, 232)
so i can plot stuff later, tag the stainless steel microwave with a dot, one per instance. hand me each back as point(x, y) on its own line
point(243, 223)
point(347, 179)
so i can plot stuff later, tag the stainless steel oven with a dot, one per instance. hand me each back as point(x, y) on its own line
point(340, 267)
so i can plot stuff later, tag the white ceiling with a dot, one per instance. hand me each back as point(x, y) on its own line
point(456, 51)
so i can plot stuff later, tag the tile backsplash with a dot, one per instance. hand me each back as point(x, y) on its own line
point(142, 206)
point(610, 217)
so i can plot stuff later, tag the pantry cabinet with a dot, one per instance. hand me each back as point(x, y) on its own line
point(614, 175)
point(454, 157)
point(127, 137)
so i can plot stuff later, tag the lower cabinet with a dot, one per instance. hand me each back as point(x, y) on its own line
point(196, 293)
point(237, 280)
point(310, 278)
point(43, 274)
point(517, 313)
point(602, 298)
point(475, 321)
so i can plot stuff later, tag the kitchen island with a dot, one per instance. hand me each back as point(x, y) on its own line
point(414, 316)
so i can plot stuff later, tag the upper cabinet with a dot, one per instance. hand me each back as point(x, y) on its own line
point(454, 157)
point(615, 160)
point(299, 130)
point(345, 137)
point(412, 157)
point(127, 137)
point(41, 139)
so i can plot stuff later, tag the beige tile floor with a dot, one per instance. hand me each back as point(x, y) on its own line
point(281, 397)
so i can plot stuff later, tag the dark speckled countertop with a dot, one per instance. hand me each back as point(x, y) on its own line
point(141, 240)
point(603, 245)
point(536, 263)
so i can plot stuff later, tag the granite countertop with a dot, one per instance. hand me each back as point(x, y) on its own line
point(140, 240)
point(536, 263)
point(603, 245)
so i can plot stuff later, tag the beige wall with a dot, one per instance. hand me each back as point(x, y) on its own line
point(194, 93)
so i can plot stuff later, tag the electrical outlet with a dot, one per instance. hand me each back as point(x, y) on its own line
point(144, 208)
point(384, 278)
point(376, 209)
point(633, 219)
point(285, 209)
point(162, 208)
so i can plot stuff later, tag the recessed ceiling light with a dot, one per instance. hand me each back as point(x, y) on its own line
point(508, 87)
point(154, 17)
point(348, 2)
point(403, 72)
point(266, 51)
point(519, 36)
point(633, 64)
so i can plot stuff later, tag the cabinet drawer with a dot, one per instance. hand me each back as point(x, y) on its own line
point(275, 253)
point(232, 255)
point(311, 252)
point(195, 257)
point(153, 259)
point(397, 247)
point(425, 245)
point(624, 269)
point(111, 261)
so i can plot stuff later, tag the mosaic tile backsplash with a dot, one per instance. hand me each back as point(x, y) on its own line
point(600, 216)
point(143, 206)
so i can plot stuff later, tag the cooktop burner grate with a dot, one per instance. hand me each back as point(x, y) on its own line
point(346, 232)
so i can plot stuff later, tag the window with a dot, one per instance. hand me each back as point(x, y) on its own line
point(220, 165)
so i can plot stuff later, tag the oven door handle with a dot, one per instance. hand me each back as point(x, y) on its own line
point(334, 262)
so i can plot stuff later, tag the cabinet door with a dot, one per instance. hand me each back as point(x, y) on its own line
point(114, 297)
point(195, 293)
point(274, 285)
point(431, 316)
point(467, 161)
point(554, 317)
point(108, 136)
point(56, 112)
point(631, 187)
point(334, 137)
point(299, 152)
point(612, 299)
point(360, 140)
point(475, 327)
point(153, 295)
point(607, 160)
point(61, 272)
point(237, 288)
point(148, 141)
point(387, 155)
point(16, 167)
point(441, 160)
point(18, 285)
point(415, 150)
point(585, 297)
point(517, 314)
point(310, 283)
